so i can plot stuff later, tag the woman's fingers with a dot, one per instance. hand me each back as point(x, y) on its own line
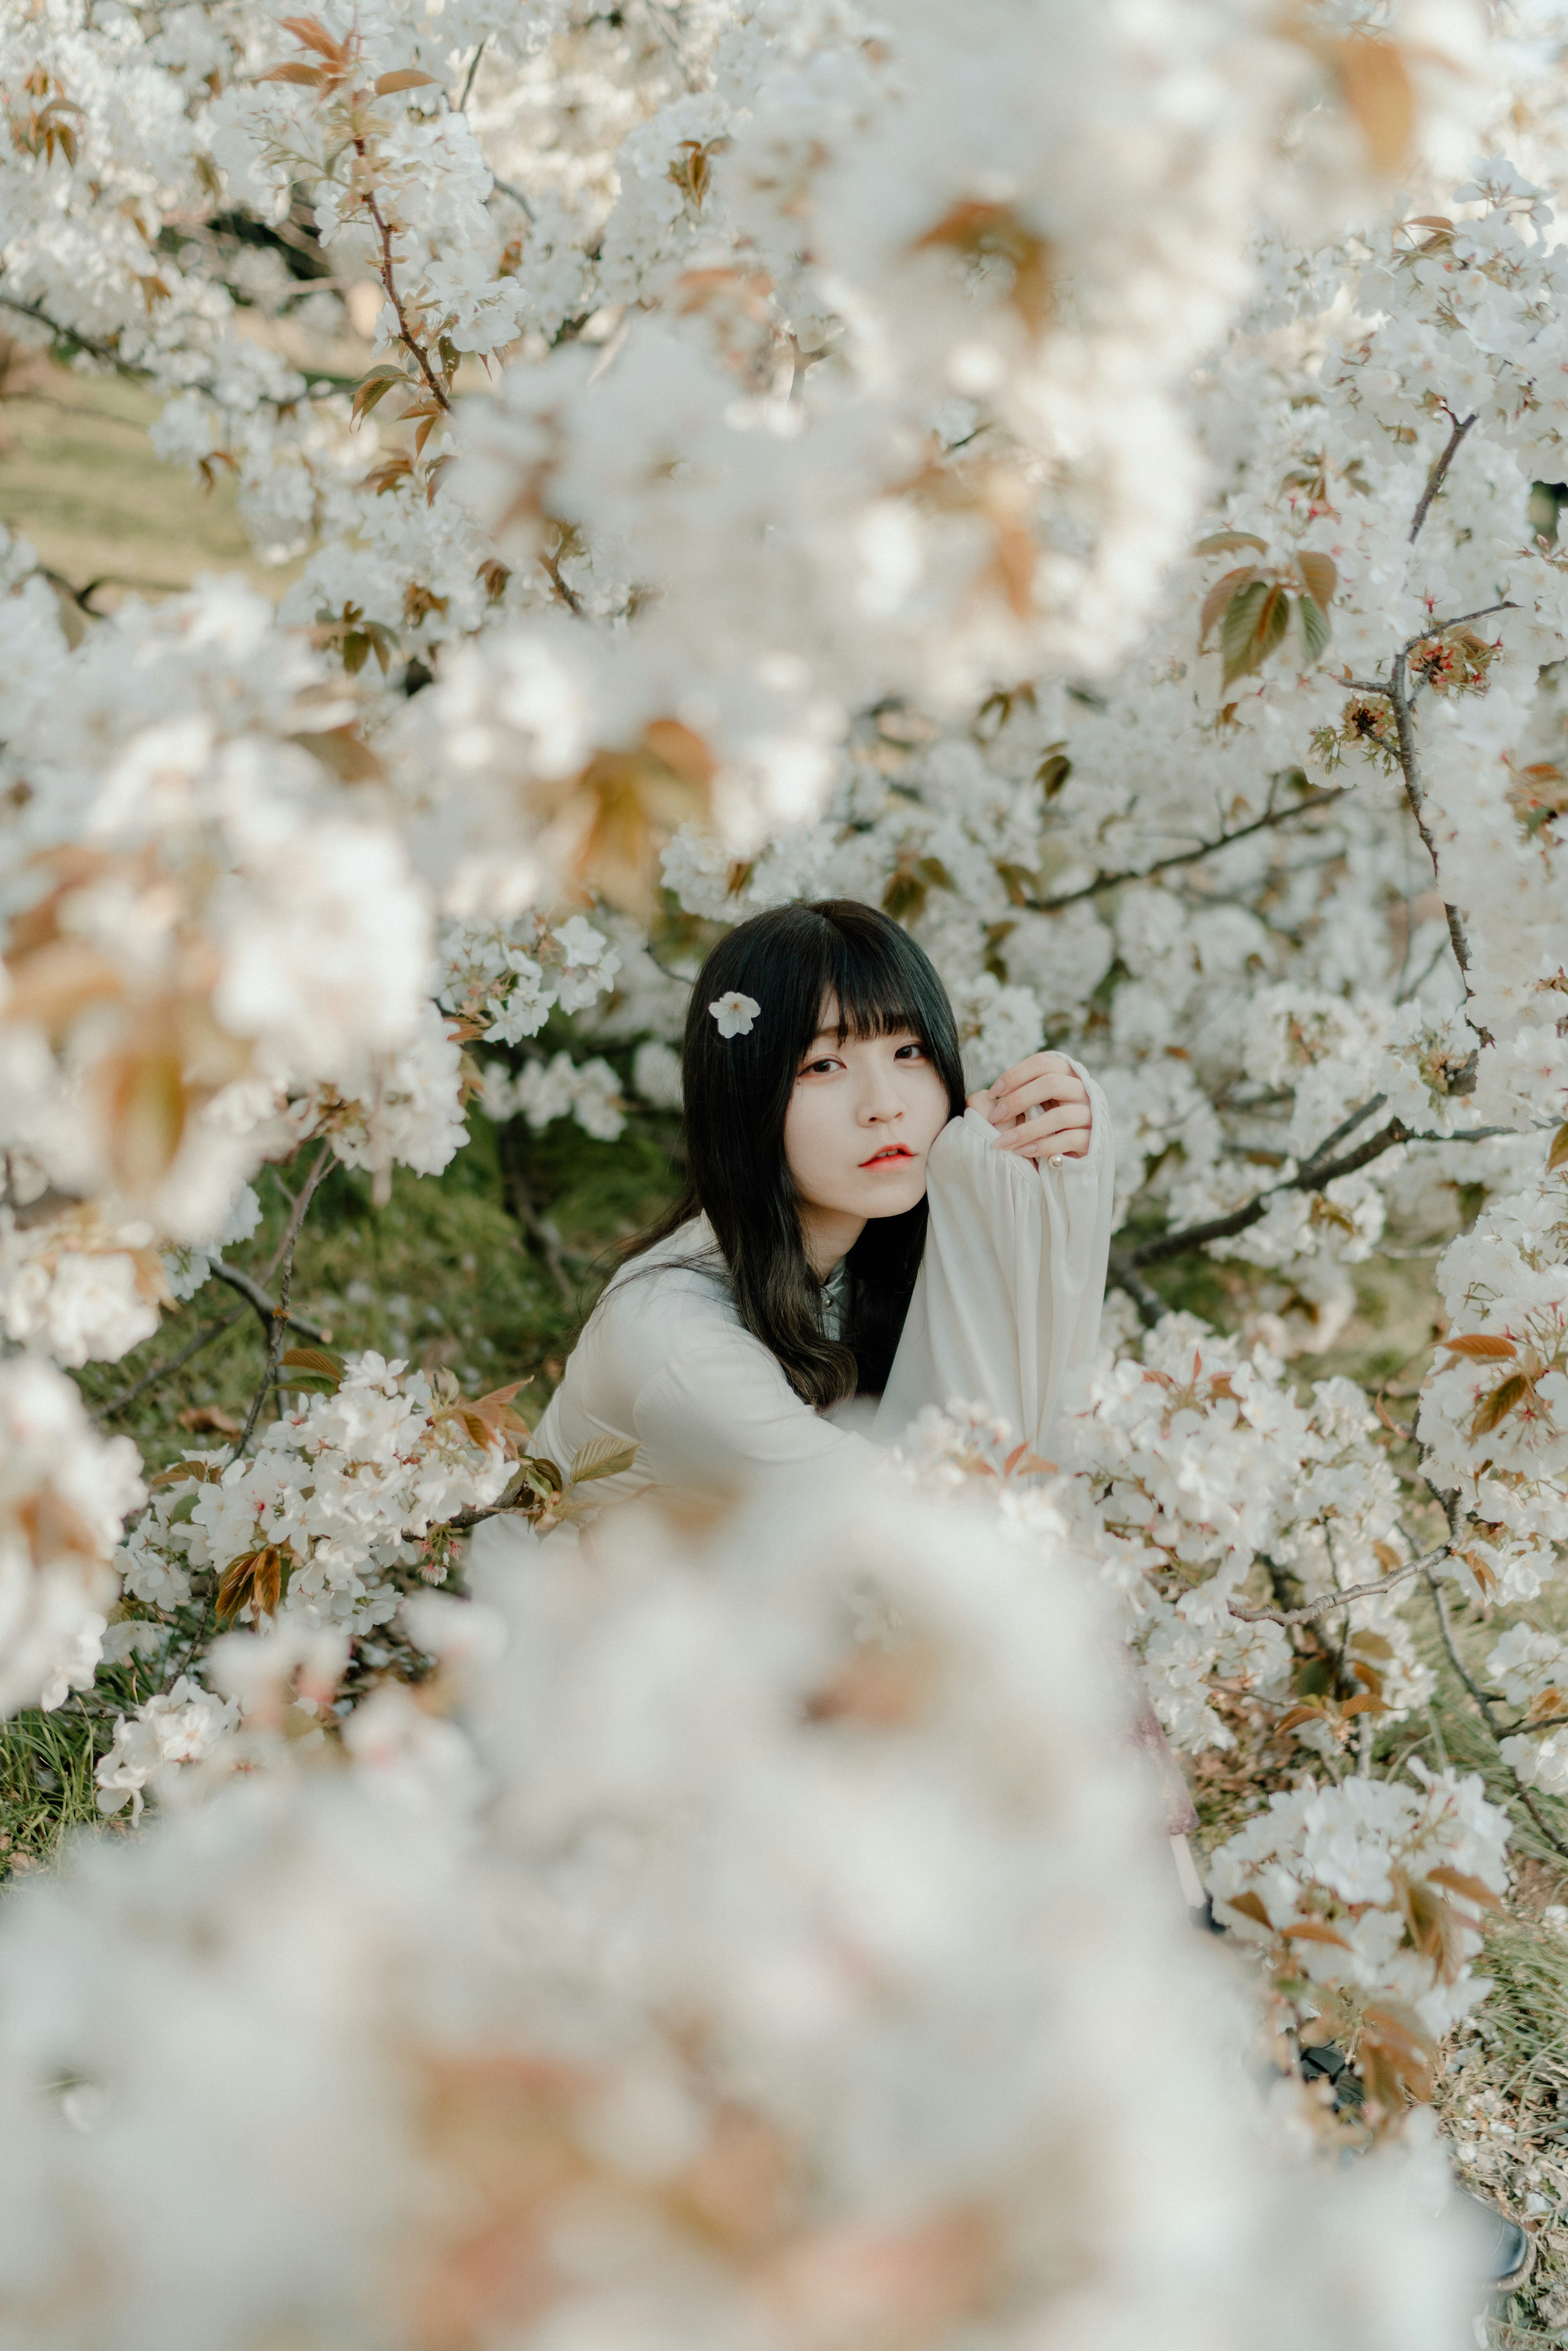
point(1064, 1127)
point(1043, 1078)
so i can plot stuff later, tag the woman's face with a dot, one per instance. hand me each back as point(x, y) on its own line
point(861, 1118)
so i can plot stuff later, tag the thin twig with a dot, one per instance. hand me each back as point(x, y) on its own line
point(551, 566)
point(468, 84)
point(688, 73)
point(517, 1497)
point(157, 1372)
point(1187, 856)
point(1484, 1703)
point(265, 1307)
point(298, 1202)
point(525, 1209)
point(1316, 1608)
point(282, 1320)
point(1438, 474)
point(516, 194)
point(389, 280)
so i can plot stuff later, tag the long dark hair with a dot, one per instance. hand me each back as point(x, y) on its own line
point(791, 960)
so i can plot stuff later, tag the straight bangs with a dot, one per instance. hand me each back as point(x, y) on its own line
point(878, 992)
point(883, 983)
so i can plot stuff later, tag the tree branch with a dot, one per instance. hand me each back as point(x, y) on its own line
point(1187, 856)
point(78, 342)
point(1311, 1176)
point(1335, 1600)
point(1438, 474)
point(1150, 1305)
point(267, 1308)
point(157, 1372)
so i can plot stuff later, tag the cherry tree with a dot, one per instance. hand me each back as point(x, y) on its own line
point(1075, 477)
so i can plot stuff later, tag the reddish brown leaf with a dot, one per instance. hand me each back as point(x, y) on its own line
point(1314, 1930)
point(210, 1418)
point(1481, 1346)
point(1250, 1906)
point(1458, 1881)
point(1496, 1408)
point(1322, 576)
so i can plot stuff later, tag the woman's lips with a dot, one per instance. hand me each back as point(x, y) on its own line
point(885, 1157)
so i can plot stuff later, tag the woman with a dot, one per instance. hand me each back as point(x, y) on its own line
point(852, 1242)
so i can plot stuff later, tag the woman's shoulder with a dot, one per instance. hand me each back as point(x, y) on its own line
point(680, 1280)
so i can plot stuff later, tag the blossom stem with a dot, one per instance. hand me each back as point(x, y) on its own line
point(389, 280)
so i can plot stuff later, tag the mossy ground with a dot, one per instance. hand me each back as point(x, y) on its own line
point(490, 1267)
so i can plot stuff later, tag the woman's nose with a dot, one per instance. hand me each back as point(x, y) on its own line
point(880, 1104)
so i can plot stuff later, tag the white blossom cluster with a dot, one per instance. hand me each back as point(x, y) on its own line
point(1196, 1463)
point(542, 1091)
point(507, 978)
point(778, 1953)
point(64, 1490)
point(1374, 1885)
point(337, 1492)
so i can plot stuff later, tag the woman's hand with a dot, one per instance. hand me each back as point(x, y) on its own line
point(1039, 1108)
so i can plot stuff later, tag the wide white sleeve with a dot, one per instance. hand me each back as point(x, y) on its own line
point(720, 1416)
point(1006, 1309)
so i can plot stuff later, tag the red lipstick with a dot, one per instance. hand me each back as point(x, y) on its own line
point(889, 1152)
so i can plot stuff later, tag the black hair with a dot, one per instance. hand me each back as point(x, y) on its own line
point(792, 961)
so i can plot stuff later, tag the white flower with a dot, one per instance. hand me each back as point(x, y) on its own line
point(735, 1013)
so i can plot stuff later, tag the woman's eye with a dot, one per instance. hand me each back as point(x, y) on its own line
point(910, 1053)
point(817, 1068)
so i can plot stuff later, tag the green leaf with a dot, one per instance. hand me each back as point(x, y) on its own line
point(373, 389)
point(1255, 621)
point(1314, 627)
point(603, 1456)
point(315, 1362)
point(1558, 1156)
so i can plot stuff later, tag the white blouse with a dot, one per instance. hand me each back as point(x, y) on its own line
point(1006, 1312)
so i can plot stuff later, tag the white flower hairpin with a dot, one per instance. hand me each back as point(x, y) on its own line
point(735, 1013)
